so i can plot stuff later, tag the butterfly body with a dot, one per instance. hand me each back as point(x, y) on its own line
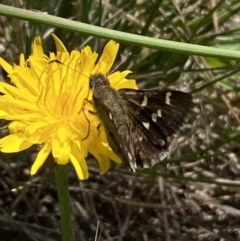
point(112, 111)
point(139, 123)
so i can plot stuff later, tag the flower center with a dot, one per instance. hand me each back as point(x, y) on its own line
point(64, 105)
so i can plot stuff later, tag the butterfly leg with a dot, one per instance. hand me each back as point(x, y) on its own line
point(85, 110)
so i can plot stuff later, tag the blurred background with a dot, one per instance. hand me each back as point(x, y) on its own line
point(194, 195)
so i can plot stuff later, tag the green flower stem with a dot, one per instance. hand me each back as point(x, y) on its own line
point(64, 202)
point(135, 39)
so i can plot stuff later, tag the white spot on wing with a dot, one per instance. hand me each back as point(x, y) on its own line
point(145, 100)
point(159, 113)
point(154, 117)
point(140, 138)
point(110, 115)
point(162, 143)
point(129, 156)
point(132, 162)
point(168, 94)
point(146, 125)
point(162, 155)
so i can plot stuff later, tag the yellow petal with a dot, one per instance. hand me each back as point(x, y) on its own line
point(10, 91)
point(13, 143)
point(37, 47)
point(39, 132)
point(79, 163)
point(41, 158)
point(61, 147)
point(16, 126)
point(104, 162)
point(103, 154)
point(118, 80)
point(7, 67)
point(107, 58)
point(59, 45)
point(22, 61)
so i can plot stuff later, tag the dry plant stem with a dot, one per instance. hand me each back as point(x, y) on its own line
point(61, 179)
point(200, 61)
point(163, 202)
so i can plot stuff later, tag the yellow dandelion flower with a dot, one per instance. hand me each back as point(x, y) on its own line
point(47, 101)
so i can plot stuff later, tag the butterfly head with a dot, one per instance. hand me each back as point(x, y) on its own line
point(98, 80)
